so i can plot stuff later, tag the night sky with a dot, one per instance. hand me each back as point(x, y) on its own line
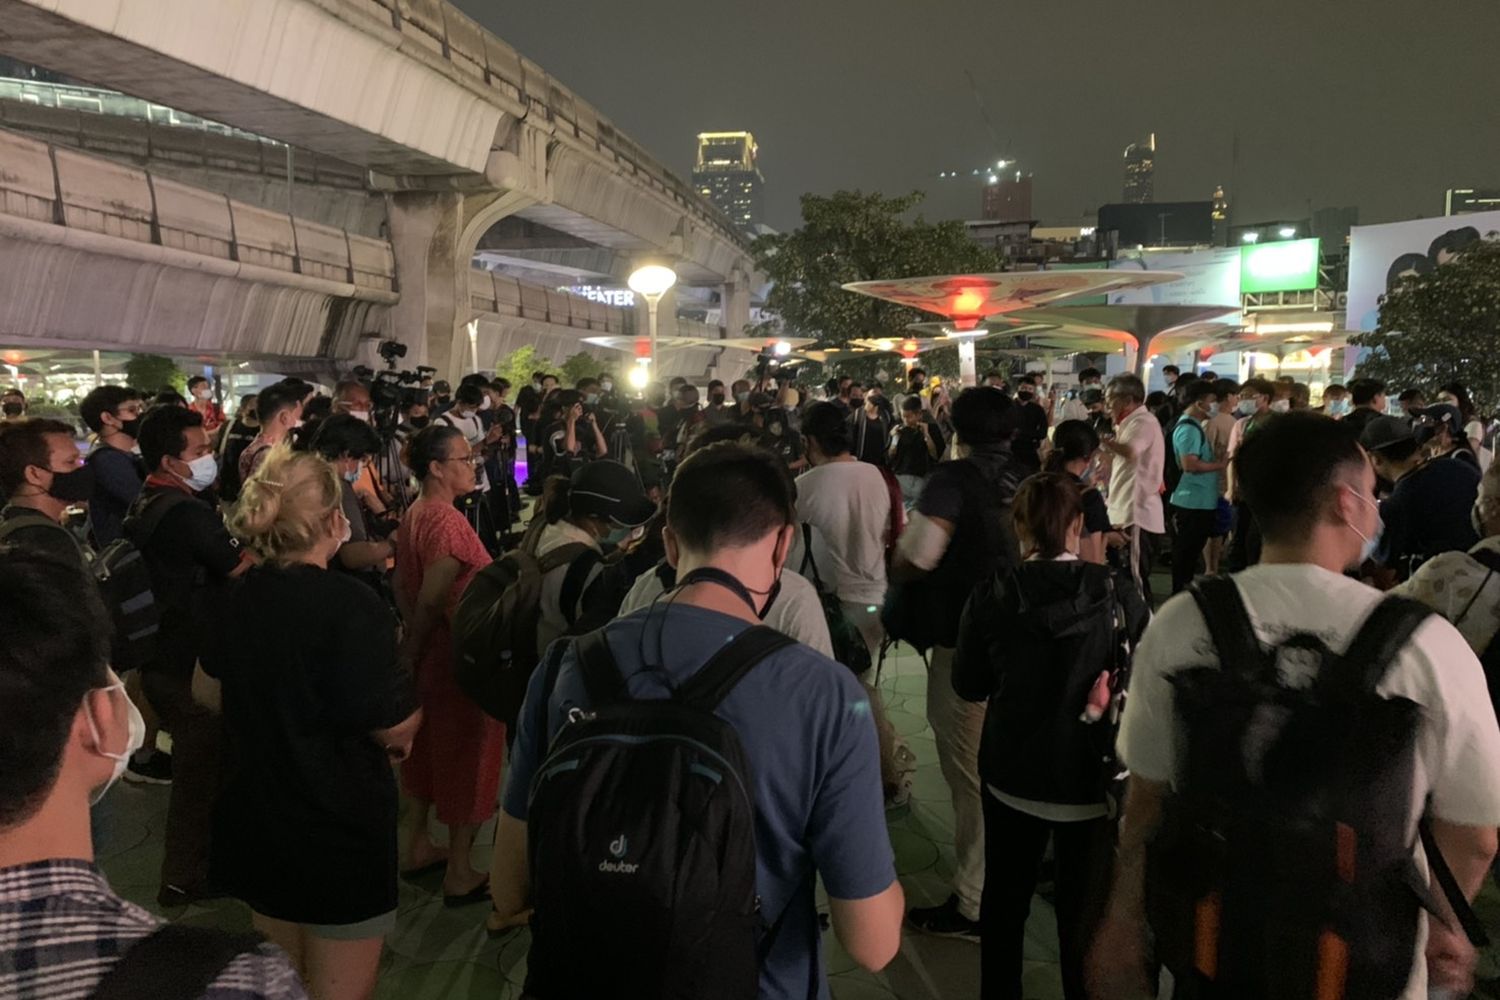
point(1377, 104)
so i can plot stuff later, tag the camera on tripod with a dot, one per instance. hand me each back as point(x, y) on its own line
point(392, 391)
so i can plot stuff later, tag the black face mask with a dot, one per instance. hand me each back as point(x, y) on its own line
point(73, 487)
point(14, 409)
point(131, 427)
point(712, 574)
point(717, 398)
point(419, 422)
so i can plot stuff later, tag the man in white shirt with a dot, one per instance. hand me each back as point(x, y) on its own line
point(1135, 475)
point(848, 506)
point(1310, 486)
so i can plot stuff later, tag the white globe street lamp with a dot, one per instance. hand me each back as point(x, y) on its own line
point(651, 282)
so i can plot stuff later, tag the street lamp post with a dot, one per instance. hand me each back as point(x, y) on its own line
point(652, 282)
point(473, 329)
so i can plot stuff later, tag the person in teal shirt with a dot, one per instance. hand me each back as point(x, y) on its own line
point(1196, 499)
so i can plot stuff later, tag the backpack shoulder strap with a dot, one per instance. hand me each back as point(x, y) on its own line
point(561, 556)
point(601, 675)
point(573, 583)
point(152, 510)
point(808, 562)
point(174, 962)
point(29, 519)
point(1218, 598)
point(1468, 920)
point(1488, 558)
point(1387, 628)
point(716, 678)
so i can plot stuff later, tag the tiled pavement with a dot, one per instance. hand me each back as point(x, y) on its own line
point(444, 953)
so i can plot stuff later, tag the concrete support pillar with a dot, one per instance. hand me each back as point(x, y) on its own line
point(432, 276)
point(734, 299)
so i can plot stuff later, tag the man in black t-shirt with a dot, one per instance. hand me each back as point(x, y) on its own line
point(916, 447)
point(189, 554)
point(870, 427)
point(1030, 423)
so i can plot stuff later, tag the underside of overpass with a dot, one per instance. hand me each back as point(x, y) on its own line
point(406, 123)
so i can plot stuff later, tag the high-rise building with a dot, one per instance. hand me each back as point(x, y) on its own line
point(1140, 167)
point(728, 175)
point(1008, 199)
point(1220, 216)
point(1462, 201)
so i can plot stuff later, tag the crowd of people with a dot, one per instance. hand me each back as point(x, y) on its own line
point(670, 698)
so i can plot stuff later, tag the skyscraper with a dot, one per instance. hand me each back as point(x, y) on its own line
point(727, 174)
point(1462, 201)
point(1221, 216)
point(1008, 199)
point(1140, 165)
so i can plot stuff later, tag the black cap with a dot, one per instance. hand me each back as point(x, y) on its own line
point(1440, 413)
point(607, 490)
point(1385, 431)
point(760, 400)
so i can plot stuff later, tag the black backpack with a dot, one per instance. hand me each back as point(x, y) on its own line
point(848, 643)
point(641, 833)
point(174, 962)
point(1283, 867)
point(123, 577)
point(494, 624)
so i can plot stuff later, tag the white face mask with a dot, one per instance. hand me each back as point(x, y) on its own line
point(607, 386)
point(348, 531)
point(202, 471)
point(484, 404)
point(1281, 406)
point(1213, 409)
point(136, 728)
point(361, 415)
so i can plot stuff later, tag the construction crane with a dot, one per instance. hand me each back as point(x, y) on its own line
point(989, 173)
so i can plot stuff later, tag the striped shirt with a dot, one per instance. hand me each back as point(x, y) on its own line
point(62, 929)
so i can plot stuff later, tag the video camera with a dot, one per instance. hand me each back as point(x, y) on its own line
point(392, 391)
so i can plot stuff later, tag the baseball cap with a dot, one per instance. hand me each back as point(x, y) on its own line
point(606, 489)
point(1427, 419)
point(760, 400)
point(1382, 432)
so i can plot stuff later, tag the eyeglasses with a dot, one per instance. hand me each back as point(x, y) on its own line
point(474, 460)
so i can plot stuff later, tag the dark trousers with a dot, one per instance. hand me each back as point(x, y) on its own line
point(197, 745)
point(1140, 556)
point(1244, 543)
point(1014, 844)
point(1193, 530)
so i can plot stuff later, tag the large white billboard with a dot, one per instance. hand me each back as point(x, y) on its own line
point(1211, 277)
point(1380, 255)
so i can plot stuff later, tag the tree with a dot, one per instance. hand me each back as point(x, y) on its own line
point(580, 366)
point(518, 367)
point(852, 236)
point(1443, 326)
point(152, 373)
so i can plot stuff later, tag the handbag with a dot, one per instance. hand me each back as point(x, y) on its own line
point(848, 642)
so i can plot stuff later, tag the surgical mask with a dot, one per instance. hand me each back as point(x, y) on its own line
point(361, 415)
point(1338, 407)
point(419, 422)
point(591, 399)
point(202, 471)
point(1281, 406)
point(742, 397)
point(73, 487)
point(536, 385)
point(136, 728)
point(607, 386)
point(1246, 408)
point(352, 476)
point(484, 404)
point(1213, 409)
point(617, 536)
point(348, 531)
point(1372, 542)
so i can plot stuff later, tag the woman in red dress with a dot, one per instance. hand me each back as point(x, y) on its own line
point(455, 760)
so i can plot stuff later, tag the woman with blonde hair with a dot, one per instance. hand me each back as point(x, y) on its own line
point(314, 708)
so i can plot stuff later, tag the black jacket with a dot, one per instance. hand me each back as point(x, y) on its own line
point(1033, 642)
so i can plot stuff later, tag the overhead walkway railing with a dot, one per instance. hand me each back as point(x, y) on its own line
point(56, 194)
point(499, 294)
point(523, 88)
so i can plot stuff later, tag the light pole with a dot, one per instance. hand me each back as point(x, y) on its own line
point(473, 345)
point(651, 282)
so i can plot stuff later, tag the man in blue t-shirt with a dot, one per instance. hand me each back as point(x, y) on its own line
point(1195, 502)
point(804, 722)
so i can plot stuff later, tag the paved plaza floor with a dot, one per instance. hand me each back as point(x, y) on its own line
point(438, 952)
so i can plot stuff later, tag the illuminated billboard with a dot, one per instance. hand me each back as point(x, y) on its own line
point(1287, 266)
point(1380, 255)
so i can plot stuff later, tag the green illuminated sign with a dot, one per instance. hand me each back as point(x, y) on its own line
point(1290, 266)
